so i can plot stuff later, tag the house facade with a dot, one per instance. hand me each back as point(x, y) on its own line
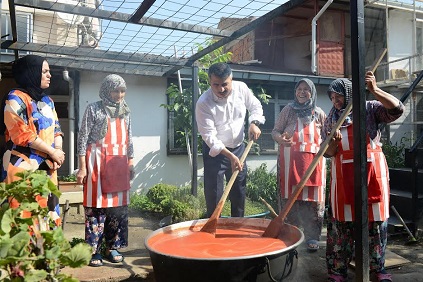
point(274, 56)
point(314, 40)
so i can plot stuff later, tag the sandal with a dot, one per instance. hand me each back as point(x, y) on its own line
point(384, 277)
point(96, 260)
point(112, 256)
point(312, 245)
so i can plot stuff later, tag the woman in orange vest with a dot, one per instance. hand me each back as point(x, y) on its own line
point(106, 154)
point(340, 229)
point(32, 131)
point(298, 132)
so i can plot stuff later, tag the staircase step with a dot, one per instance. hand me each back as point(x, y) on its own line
point(410, 158)
point(394, 220)
point(395, 226)
point(404, 205)
point(402, 179)
point(404, 194)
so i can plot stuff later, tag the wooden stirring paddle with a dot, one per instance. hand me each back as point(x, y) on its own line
point(211, 224)
point(275, 226)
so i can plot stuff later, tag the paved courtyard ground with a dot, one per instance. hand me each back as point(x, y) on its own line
point(311, 266)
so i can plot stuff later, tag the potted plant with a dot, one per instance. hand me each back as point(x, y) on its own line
point(32, 244)
point(67, 183)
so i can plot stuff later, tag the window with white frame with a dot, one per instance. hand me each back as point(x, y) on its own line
point(281, 95)
point(24, 28)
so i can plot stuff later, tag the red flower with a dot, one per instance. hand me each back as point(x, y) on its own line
point(13, 203)
point(41, 201)
point(26, 214)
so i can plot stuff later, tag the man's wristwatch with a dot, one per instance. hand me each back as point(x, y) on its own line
point(256, 122)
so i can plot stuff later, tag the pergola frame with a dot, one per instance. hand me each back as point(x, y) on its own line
point(170, 65)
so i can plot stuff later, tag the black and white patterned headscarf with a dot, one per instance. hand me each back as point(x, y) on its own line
point(305, 111)
point(341, 86)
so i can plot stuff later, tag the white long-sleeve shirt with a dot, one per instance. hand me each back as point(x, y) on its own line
point(221, 121)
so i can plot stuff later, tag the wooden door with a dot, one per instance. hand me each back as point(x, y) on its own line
point(331, 44)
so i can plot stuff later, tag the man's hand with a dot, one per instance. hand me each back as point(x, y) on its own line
point(236, 164)
point(254, 132)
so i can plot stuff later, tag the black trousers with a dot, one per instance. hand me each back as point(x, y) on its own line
point(216, 170)
point(53, 200)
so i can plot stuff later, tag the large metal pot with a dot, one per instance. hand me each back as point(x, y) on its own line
point(269, 266)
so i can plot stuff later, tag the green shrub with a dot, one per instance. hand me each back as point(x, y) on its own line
point(261, 183)
point(75, 241)
point(164, 199)
point(32, 247)
point(395, 153)
point(67, 178)
point(161, 199)
point(160, 195)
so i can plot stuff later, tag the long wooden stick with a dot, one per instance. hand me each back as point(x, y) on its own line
point(269, 207)
point(379, 59)
point(275, 225)
point(403, 224)
point(211, 224)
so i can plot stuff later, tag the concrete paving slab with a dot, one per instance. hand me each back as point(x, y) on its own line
point(137, 264)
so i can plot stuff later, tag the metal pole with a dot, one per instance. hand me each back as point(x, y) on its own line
point(195, 94)
point(186, 131)
point(361, 230)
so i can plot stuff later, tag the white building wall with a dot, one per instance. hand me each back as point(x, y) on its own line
point(400, 39)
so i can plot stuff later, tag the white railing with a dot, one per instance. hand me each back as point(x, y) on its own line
point(401, 70)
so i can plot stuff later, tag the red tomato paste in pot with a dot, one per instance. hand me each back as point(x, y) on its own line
point(227, 243)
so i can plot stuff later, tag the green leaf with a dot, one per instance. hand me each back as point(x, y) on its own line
point(20, 244)
point(78, 256)
point(65, 278)
point(35, 258)
point(53, 253)
point(6, 221)
point(5, 244)
point(35, 275)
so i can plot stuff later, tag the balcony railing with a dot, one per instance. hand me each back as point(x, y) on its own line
point(401, 70)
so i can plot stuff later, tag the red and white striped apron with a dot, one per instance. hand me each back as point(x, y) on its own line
point(294, 161)
point(113, 144)
point(342, 180)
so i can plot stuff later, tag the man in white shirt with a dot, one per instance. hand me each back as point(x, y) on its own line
point(220, 115)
